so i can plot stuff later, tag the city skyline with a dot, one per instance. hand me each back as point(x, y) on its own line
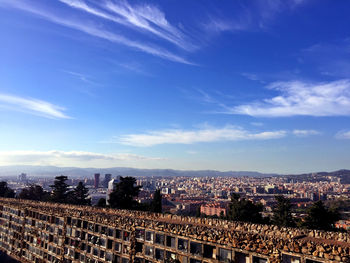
point(257, 86)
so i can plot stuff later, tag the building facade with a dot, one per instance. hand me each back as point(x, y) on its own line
point(96, 180)
point(214, 209)
point(108, 177)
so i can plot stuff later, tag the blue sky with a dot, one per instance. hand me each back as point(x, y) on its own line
point(228, 85)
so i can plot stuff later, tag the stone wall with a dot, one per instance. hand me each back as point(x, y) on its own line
point(264, 240)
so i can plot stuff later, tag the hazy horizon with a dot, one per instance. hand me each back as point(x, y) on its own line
point(16, 169)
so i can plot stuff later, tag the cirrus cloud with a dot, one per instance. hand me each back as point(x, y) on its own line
point(343, 135)
point(299, 98)
point(177, 136)
point(91, 28)
point(55, 157)
point(144, 17)
point(305, 133)
point(32, 106)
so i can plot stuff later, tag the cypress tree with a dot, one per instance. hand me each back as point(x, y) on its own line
point(60, 192)
point(156, 204)
point(80, 195)
point(282, 212)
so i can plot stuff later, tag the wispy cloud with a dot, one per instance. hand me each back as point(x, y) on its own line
point(250, 76)
point(220, 24)
point(329, 58)
point(267, 77)
point(208, 98)
point(249, 15)
point(148, 24)
point(151, 19)
point(305, 133)
point(343, 135)
point(32, 106)
point(61, 157)
point(80, 76)
point(258, 124)
point(135, 68)
point(267, 10)
point(177, 136)
point(301, 98)
point(95, 30)
point(144, 17)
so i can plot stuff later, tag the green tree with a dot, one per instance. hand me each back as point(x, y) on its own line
point(320, 217)
point(282, 212)
point(341, 204)
point(241, 209)
point(80, 195)
point(6, 191)
point(60, 193)
point(34, 192)
point(122, 197)
point(156, 204)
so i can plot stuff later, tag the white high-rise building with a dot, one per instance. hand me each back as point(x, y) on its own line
point(111, 186)
point(22, 177)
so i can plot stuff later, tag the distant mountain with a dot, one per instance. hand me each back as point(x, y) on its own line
point(343, 175)
point(47, 171)
point(76, 172)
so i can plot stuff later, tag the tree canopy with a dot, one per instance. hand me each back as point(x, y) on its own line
point(6, 191)
point(34, 192)
point(241, 209)
point(320, 217)
point(156, 204)
point(122, 197)
point(60, 193)
point(282, 212)
point(80, 195)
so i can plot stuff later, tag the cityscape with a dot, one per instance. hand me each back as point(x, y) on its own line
point(210, 196)
point(65, 220)
point(193, 131)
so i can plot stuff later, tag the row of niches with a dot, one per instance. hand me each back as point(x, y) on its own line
point(42, 238)
point(11, 225)
point(37, 253)
point(152, 237)
point(44, 217)
point(13, 211)
point(119, 225)
point(112, 216)
point(89, 242)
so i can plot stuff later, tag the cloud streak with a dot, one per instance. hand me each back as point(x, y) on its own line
point(32, 106)
point(343, 135)
point(80, 76)
point(250, 15)
point(176, 136)
point(298, 98)
point(330, 58)
point(55, 156)
point(219, 25)
point(305, 133)
point(99, 18)
point(97, 31)
point(146, 17)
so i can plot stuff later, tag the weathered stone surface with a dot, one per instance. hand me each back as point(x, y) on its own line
point(262, 239)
